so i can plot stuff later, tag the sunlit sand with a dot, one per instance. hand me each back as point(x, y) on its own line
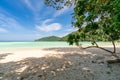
point(67, 63)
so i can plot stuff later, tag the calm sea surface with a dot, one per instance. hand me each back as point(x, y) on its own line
point(17, 45)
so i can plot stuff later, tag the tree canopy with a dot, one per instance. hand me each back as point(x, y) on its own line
point(93, 18)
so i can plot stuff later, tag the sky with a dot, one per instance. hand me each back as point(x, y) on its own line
point(27, 20)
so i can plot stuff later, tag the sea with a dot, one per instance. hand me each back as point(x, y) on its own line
point(18, 45)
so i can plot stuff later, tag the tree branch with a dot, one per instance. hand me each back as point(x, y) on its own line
point(99, 48)
point(113, 54)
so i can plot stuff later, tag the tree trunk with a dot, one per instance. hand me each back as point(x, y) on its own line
point(112, 52)
point(114, 47)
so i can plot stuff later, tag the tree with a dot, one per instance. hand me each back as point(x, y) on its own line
point(59, 4)
point(107, 12)
point(92, 18)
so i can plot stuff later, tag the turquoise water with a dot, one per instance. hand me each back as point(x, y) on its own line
point(17, 45)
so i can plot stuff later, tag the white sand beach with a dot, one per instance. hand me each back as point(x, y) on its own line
point(67, 63)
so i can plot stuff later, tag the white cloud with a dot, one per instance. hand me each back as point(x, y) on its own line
point(34, 5)
point(44, 26)
point(47, 21)
point(62, 11)
point(8, 22)
point(3, 30)
point(28, 3)
point(67, 30)
point(72, 29)
point(66, 9)
point(50, 27)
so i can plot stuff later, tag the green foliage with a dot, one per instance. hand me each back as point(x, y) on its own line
point(74, 37)
point(50, 38)
point(108, 14)
point(59, 4)
point(96, 19)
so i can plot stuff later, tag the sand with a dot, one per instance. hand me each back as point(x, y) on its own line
point(67, 63)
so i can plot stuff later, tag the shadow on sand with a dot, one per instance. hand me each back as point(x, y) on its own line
point(2, 56)
point(75, 64)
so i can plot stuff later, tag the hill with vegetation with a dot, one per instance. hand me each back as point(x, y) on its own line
point(50, 38)
point(81, 37)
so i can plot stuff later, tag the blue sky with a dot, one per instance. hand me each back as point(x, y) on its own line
point(32, 19)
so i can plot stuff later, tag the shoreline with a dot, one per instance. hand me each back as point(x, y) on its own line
point(25, 45)
point(36, 48)
point(22, 53)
